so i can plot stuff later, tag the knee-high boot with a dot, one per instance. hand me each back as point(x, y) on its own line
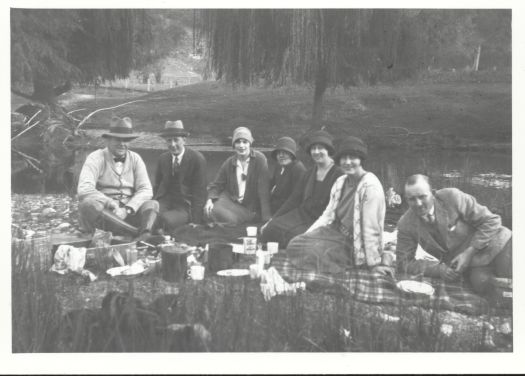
point(147, 221)
point(111, 222)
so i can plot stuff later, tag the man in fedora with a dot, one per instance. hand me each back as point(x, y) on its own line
point(114, 188)
point(180, 180)
point(449, 224)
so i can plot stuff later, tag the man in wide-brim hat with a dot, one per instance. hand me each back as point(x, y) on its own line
point(114, 188)
point(180, 180)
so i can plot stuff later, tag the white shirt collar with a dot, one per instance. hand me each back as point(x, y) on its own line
point(179, 157)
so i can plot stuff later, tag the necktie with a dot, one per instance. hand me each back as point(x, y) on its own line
point(430, 218)
point(119, 159)
point(175, 166)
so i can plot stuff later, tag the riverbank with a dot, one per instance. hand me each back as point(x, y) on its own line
point(461, 115)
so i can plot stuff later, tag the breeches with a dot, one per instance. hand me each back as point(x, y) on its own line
point(90, 217)
point(173, 214)
point(500, 267)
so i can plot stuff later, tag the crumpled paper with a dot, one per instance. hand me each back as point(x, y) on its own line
point(71, 259)
point(273, 284)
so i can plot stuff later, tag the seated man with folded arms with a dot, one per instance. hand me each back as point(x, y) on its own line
point(180, 180)
point(450, 225)
point(114, 188)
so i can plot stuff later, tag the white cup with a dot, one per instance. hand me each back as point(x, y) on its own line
point(272, 247)
point(255, 271)
point(251, 231)
point(196, 272)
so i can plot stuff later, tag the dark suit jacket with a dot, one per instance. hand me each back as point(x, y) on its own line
point(193, 180)
point(461, 222)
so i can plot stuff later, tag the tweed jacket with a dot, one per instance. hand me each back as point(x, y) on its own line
point(99, 179)
point(461, 222)
point(282, 185)
point(257, 194)
point(369, 217)
point(192, 175)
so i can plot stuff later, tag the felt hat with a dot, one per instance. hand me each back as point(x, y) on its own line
point(352, 146)
point(121, 128)
point(174, 129)
point(320, 137)
point(242, 132)
point(286, 144)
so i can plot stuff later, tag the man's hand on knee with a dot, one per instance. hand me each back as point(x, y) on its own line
point(112, 206)
point(121, 213)
point(448, 274)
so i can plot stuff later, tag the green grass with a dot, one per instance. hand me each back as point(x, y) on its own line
point(464, 110)
point(234, 313)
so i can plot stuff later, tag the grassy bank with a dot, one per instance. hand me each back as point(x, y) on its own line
point(444, 113)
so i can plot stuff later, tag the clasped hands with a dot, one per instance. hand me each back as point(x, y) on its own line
point(114, 207)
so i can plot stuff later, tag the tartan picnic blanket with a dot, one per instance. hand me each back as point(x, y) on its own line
point(360, 284)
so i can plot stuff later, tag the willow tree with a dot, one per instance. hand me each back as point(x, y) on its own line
point(51, 49)
point(315, 47)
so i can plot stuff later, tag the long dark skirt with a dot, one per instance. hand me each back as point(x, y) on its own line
point(324, 250)
point(282, 229)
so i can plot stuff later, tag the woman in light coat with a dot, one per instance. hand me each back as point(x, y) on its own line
point(349, 233)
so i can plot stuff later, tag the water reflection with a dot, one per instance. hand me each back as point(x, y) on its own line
point(486, 176)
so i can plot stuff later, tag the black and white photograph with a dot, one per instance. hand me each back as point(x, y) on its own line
point(252, 179)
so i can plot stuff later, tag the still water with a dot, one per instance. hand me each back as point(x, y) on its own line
point(487, 176)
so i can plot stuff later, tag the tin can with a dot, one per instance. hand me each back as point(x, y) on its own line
point(250, 245)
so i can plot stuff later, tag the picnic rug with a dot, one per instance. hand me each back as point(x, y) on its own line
point(359, 284)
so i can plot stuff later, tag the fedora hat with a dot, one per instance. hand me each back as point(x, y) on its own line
point(121, 128)
point(174, 129)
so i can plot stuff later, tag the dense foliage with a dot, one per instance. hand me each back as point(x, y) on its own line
point(330, 47)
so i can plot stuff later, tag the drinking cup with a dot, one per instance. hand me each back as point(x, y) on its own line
point(196, 272)
point(272, 247)
point(251, 231)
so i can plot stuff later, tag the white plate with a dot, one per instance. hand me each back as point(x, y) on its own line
point(233, 272)
point(126, 270)
point(416, 287)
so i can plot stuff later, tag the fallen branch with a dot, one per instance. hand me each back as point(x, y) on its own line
point(107, 108)
point(25, 155)
point(408, 133)
point(25, 130)
point(28, 159)
point(80, 109)
point(32, 117)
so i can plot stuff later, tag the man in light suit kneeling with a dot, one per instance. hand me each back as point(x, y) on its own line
point(465, 236)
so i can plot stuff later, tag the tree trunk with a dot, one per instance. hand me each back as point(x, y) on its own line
point(317, 108)
point(476, 60)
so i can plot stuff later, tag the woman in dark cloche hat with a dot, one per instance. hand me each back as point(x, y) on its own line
point(308, 200)
point(287, 174)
